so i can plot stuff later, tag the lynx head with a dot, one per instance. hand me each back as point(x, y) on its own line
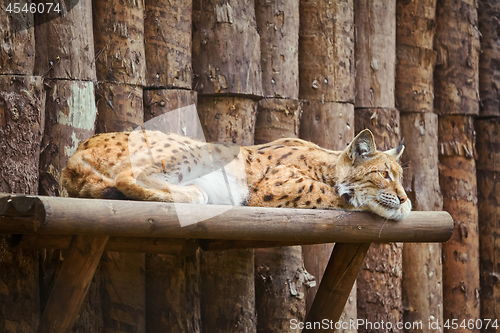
point(370, 180)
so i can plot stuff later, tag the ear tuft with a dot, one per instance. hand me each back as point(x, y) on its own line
point(397, 152)
point(362, 146)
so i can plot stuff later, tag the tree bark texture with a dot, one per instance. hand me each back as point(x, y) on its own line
point(415, 27)
point(226, 48)
point(172, 282)
point(119, 106)
point(173, 294)
point(281, 280)
point(489, 71)
point(276, 119)
point(488, 187)
point(457, 179)
point(456, 76)
point(379, 280)
point(71, 115)
point(422, 264)
point(227, 277)
point(167, 39)
point(278, 24)
point(119, 41)
point(228, 119)
point(326, 56)
point(329, 125)
point(22, 110)
point(375, 53)
point(65, 43)
point(17, 46)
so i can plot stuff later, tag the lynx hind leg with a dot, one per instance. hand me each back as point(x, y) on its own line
point(150, 187)
point(291, 188)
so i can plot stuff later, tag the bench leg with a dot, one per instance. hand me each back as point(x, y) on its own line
point(336, 285)
point(72, 283)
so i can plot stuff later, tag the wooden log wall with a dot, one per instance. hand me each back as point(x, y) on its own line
point(327, 70)
point(228, 79)
point(374, 109)
point(456, 85)
point(415, 24)
point(487, 127)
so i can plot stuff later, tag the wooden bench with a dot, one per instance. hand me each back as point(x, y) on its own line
point(87, 227)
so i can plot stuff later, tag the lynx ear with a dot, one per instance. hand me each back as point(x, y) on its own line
point(397, 152)
point(362, 146)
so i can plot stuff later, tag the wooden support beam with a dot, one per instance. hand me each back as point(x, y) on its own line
point(72, 283)
point(119, 244)
point(336, 285)
point(69, 216)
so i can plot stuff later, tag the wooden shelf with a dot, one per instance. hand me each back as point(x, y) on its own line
point(87, 227)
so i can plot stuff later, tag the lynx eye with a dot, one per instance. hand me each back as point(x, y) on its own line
point(385, 175)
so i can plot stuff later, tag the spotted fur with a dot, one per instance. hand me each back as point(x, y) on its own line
point(154, 166)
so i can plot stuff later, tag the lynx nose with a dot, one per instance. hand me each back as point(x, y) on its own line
point(402, 200)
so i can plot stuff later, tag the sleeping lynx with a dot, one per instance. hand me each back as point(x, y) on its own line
point(154, 166)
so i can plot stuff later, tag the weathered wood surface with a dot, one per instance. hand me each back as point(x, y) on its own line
point(339, 277)
point(375, 53)
point(326, 51)
point(456, 76)
point(17, 49)
point(119, 41)
point(167, 42)
point(457, 178)
point(173, 293)
point(489, 72)
point(488, 188)
point(22, 117)
point(228, 119)
point(422, 264)
point(155, 219)
point(119, 106)
point(71, 114)
point(278, 24)
point(72, 283)
point(65, 47)
point(277, 118)
point(329, 125)
point(226, 48)
point(119, 244)
point(384, 124)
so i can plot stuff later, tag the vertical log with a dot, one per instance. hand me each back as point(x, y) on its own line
point(120, 108)
point(375, 53)
point(379, 280)
point(327, 70)
point(326, 50)
point(278, 24)
point(167, 39)
point(172, 282)
point(488, 186)
point(422, 265)
point(227, 283)
point(17, 50)
point(226, 48)
point(489, 72)
point(458, 184)
point(119, 41)
point(65, 47)
point(281, 280)
point(22, 107)
point(456, 77)
point(456, 100)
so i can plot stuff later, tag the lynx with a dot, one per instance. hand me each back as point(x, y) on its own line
point(292, 173)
